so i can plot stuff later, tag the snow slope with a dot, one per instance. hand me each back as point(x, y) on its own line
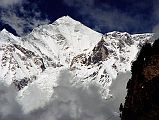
point(33, 63)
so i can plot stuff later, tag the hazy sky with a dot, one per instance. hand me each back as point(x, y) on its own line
point(133, 16)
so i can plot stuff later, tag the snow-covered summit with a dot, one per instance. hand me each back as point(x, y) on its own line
point(65, 19)
point(35, 60)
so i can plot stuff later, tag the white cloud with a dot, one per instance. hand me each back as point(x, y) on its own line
point(24, 22)
point(107, 16)
point(6, 3)
point(70, 103)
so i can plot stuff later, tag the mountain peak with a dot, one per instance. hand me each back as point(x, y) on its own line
point(4, 31)
point(66, 19)
point(35, 60)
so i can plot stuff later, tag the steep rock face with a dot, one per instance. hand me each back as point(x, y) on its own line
point(97, 55)
point(100, 53)
point(142, 100)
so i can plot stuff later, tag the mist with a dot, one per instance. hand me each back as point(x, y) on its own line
point(68, 102)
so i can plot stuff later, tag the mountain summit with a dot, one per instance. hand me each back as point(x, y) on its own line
point(33, 62)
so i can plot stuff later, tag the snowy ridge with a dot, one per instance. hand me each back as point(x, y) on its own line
point(33, 62)
point(122, 49)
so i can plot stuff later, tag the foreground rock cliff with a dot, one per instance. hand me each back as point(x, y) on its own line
point(142, 100)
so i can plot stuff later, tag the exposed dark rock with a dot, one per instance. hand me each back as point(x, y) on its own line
point(19, 84)
point(142, 100)
point(28, 53)
point(81, 58)
point(121, 44)
point(128, 40)
point(42, 65)
point(100, 53)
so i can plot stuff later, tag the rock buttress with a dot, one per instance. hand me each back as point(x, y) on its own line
point(142, 100)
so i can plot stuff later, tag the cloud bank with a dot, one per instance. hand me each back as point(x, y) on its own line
point(68, 103)
point(6, 3)
point(22, 24)
point(21, 18)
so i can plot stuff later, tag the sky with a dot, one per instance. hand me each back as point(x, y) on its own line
point(132, 16)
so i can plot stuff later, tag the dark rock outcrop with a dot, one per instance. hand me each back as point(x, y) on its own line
point(100, 53)
point(142, 100)
point(81, 58)
point(20, 84)
point(29, 54)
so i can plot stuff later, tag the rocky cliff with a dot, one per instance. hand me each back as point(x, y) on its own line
point(142, 100)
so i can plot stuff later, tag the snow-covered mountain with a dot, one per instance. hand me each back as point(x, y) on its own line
point(33, 63)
